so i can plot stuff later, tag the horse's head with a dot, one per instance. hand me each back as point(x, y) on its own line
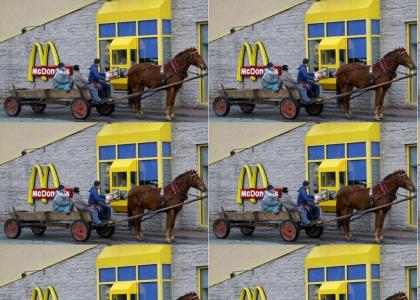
point(196, 181)
point(404, 181)
point(195, 59)
point(405, 60)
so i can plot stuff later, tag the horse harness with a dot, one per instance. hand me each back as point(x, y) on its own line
point(177, 71)
point(385, 192)
point(174, 187)
point(384, 71)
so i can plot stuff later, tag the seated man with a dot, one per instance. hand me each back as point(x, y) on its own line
point(270, 202)
point(305, 78)
point(97, 205)
point(61, 201)
point(306, 202)
point(82, 83)
point(77, 200)
point(271, 79)
point(291, 205)
point(99, 79)
point(291, 83)
point(62, 78)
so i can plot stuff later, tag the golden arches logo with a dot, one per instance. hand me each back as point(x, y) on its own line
point(48, 294)
point(43, 176)
point(252, 53)
point(43, 57)
point(257, 294)
point(252, 176)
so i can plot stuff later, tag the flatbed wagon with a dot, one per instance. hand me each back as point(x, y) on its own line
point(287, 99)
point(79, 222)
point(287, 222)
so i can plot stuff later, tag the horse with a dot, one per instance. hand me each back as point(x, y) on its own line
point(151, 198)
point(360, 198)
point(398, 296)
point(152, 76)
point(189, 296)
point(361, 76)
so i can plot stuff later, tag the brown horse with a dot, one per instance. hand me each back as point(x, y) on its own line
point(361, 76)
point(189, 296)
point(152, 76)
point(398, 296)
point(360, 198)
point(151, 198)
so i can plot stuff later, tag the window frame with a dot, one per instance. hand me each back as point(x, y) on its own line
point(201, 205)
point(199, 287)
point(411, 204)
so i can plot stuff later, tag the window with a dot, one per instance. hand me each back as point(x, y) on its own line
point(328, 179)
point(148, 291)
point(126, 273)
point(166, 271)
point(315, 152)
point(356, 291)
point(356, 172)
point(376, 149)
point(356, 150)
point(203, 46)
point(316, 30)
point(412, 283)
point(412, 174)
point(147, 272)
point(104, 54)
point(376, 271)
point(313, 291)
point(106, 152)
point(328, 57)
point(313, 168)
point(107, 275)
point(335, 273)
point(148, 27)
point(166, 27)
point(119, 57)
point(357, 50)
point(148, 172)
point(356, 27)
point(148, 150)
point(106, 30)
point(335, 151)
point(412, 51)
point(167, 49)
point(104, 176)
point(127, 29)
point(356, 272)
point(104, 291)
point(316, 275)
point(313, 46)
point(166, 149)
point(119, 179)
point(167, 171)
point(127, 151)
point(148, 51)
point(335, 29)
point(376, 27)
point(203, 283)
point(376, 49)
point(203, 172)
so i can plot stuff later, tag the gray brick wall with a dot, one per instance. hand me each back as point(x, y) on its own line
point(284, 162)
point(284, 40)
point(74, 36)
point(75, 160)
point(75, 277)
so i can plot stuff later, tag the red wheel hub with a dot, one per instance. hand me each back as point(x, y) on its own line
point(288, 108)
point(11, 106)
point(79, 108)
point(11, 228)
point(288, 231)
point(80, 231)
point(221, 107)
point(220, 228)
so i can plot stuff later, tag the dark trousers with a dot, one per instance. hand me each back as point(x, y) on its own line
point(105, 212)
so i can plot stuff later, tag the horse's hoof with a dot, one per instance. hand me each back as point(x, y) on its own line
point(140, 239)
point(168, 118)
point(140, 116)
point(172, 115)
point(378, 241)
point(348, 117)
point(168, 241)
point(173, 240)
point(348, 239)
point(377, 118)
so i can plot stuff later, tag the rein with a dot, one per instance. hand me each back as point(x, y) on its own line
point(177, 70)
point(175, 189)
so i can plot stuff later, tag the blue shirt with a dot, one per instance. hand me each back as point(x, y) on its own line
point(303, 75)
point(303, 197)
point(94, 75)
point(94, 197)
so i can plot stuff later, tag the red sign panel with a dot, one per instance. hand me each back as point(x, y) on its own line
point(48, 71)
point(48, 193)
point(248, 71)
point(257, 194)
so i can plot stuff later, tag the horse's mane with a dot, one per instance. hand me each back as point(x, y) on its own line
point(390, 53)
point(186, 172)
point(191, 294)
point(393, 173)
point(186, 50)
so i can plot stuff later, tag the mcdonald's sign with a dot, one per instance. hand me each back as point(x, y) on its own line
point(44, 192)
point(252, 70)
point(252, 193)
point(48, 294)
point(257, 294)
point(43, 69)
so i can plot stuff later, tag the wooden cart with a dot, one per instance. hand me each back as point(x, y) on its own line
point(38, 99)
point(288, 224)
point(38, 221)
point(287, 99)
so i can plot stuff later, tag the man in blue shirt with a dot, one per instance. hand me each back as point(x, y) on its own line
point(307, 201)
point(97, 204)
point(99, 79)
point(306, 78)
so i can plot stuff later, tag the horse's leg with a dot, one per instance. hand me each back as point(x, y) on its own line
point(381, 226)
point(346, 225)
point(169, 217)
point(169, 94)
point(139, 111)
point(139, 236)
point(381, 103)
point(172, 236)
point(346, 101)
point(172, 114)
point(378, 99)
point(378, 216)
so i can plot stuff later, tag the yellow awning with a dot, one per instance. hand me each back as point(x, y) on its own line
point(343, 132)
point(332, 43)
point(332, 165)
point(123, 165)
point(140, 132)
point(342, 10)
point(123, 43)
point(332, 287)
point(128, 255)
point(339, 255)
point(133, 10)
point(124, 288)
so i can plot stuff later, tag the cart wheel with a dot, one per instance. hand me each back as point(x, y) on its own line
point(12, 106)
point(105, 109)
point(38, 230)
point(12, 228)
point(80, 108)
point(314, 231)
point(289, 109)
point(289, 231)
point(38, 108)
point(314, 109)
point(80, 231)
point(247, 230)
point(105, 231)
point(221, 106)
point(221, 228)
point(247, 108)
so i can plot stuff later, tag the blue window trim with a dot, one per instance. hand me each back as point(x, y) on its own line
point(166, 27)
point(356, 27)
point(146, 150)
point(107, 30)
point(148, 27)
point(376, 271)
point(316, 30)
point(375, 149)
point(148, 47)
point(153, 288)
point(315, 274)
point(166, 271)
point(107, 152)
point(336, 151)
point(130, 276)
point(127, 28)
point(360, 290)
point(357, 48)
point(105, 277)
point(356, 149)
point(376, 27)
point(151, 172)
point(358, 172)
point(147, 272)
point(336, 273)
point(356, 272)
point(166, 149)
point(336, 28)
point(127, 151)
point(316, 152)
